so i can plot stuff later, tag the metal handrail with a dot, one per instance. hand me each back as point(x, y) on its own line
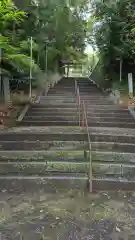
point(78, 101)
point(75, 87)
point(79, 105)
point(84, 120)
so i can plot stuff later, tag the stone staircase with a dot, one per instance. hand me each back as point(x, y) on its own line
point(112, 132)
point(49, 145)
point(58, 108)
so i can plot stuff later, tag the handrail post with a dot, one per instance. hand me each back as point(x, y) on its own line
point(83, 115)
point(79, 109)
point(75, 87)
point(90, 173)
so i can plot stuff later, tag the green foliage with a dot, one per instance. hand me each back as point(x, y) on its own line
point(58, 32)
point(114, 35)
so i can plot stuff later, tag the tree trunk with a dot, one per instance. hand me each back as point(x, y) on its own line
point(7, 97)
point(67, 70)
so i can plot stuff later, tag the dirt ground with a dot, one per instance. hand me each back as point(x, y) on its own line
point(65, 214)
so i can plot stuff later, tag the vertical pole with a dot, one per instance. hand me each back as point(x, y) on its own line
point(75, 87)
point(90, 173)
point(83, 115)
point(130, 85)
point(120, 70)
point(79, 108)
point(30, 87)
point(46, 59)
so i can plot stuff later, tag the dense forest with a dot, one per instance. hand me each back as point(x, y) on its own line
point(40, 36)
point(58, 31)
point(113, 34)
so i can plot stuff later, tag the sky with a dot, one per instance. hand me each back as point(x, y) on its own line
point(88, 49)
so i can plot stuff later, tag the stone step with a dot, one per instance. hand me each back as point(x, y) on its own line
point(106, 111)
point(95, 137)
point(43, 145)
point(60, 94)
point(67, 145)
point(98, 102)
point(59, 97)
point(50, 118)
point(61, 136)
point(111, 157)
point(40, 106)
point(42, 168)
point(48, 123)
point(111, 124)
point(104, 107)
point(74, 117)
point(76, 123)
point(44, 156)
point(73, 113)
point(56, 101)
point(61, 91)
point(112, 131)
point(110, 115)
point(43, 136)
point(50, 184)
point(53, 109)
point(49, 168)
point(113, 147)
point(123, 170)
point(94, 98)
point(113, 119)
point(57, 113)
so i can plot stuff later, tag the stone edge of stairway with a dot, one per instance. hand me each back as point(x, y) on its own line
point(23, 113)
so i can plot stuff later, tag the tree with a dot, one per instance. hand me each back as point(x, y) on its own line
point(114, 35)
point(57, 28)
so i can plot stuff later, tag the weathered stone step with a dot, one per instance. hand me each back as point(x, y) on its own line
point(95, 137)
point(58, 102)
point(110, 163)
point(106, 107)
point(93, 110)
point(51, 183)
point(57, 113)
point(50, 118)
point(45, 168)
point(49, 123)
point(42, 168)
point(45, 129)
point(40, 106)
point(43, 136)
point(112, 131)
point(113, 147)
point(41, 155)
point(98, 102)
point(110, 115)
point(59, 94)
point(113, 156)
point(43, 145)
point(111, 124)
point(61, 91)
point(104, 170)
point(94, 98)
point(58, 97)
point(111, 119)
point(61, 136)
point(67, 145)
point(46, 110)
